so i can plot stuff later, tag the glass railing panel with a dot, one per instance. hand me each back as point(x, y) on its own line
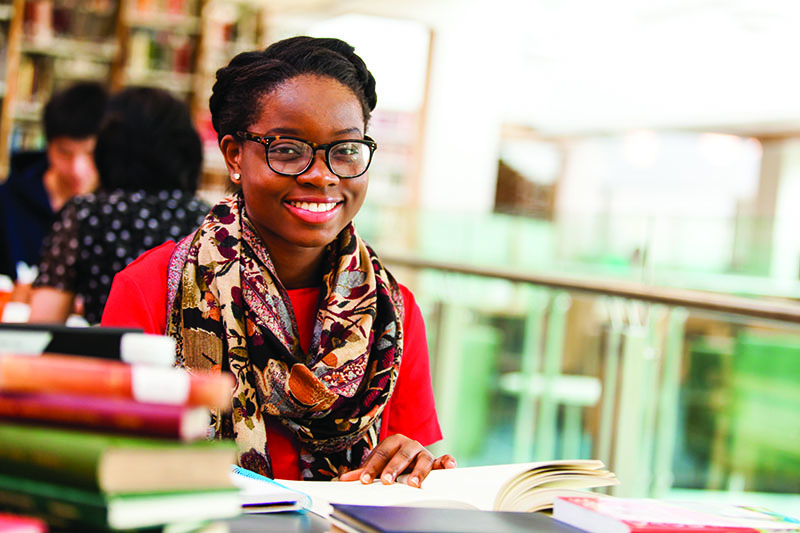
point(673, 398)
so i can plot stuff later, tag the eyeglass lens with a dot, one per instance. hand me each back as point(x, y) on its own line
point(292, 156)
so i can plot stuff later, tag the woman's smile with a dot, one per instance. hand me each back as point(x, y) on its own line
point(313, 211)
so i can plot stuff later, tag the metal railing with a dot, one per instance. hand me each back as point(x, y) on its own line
point(640, 374)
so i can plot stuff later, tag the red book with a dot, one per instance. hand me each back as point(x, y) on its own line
point(120, 415)
point(11, 523)
point(638, 515)
point(72, 374)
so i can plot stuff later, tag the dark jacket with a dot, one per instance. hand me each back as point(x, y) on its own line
point(25, 212)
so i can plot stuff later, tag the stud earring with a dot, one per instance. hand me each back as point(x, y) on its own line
point(236, 177)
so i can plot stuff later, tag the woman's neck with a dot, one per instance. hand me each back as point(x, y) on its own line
point(298, 268)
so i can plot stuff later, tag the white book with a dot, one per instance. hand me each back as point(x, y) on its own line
point(509, 487)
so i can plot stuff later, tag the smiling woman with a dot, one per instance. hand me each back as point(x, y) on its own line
point(277, 287)
point(302, 205)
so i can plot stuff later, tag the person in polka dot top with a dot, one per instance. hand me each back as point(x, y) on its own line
point(148, 157)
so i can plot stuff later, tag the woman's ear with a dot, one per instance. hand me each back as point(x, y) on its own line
point(231, 149)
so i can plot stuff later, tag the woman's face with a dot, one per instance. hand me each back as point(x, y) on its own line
point(306, 211)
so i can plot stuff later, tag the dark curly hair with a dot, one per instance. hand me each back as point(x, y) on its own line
point(251, 75)
point(148, 142)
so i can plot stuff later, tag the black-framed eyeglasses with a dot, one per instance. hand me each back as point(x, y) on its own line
point(291, 156)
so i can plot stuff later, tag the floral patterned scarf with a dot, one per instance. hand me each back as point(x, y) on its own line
point(227, 310)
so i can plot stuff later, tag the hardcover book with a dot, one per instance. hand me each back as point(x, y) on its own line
point(125, 344)
point(72, 374)
point(370, 519)
point(622, 515)
point(113, 463)
point(81, 510)
point(110, 414)
point(524, 487)
point(11, 523)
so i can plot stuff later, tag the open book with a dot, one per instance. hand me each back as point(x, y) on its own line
point(510, 487)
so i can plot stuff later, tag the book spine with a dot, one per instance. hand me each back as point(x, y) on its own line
point(114, 379)
point(13, 522)
point(58, 506)
point(44, 455)
point(88, 460)
point(118, 415)
point(126, 344)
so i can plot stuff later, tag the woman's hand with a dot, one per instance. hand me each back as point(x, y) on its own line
point(395, 455)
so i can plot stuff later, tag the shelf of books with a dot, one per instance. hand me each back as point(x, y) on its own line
point(228, 28)
point(160, 43)
point(10, 31)
point(176, 45)
point(48, 45)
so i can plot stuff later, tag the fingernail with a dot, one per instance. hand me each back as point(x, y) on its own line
point(366, 478)
point(451, 463)
point(414, 481)
point(388, 478)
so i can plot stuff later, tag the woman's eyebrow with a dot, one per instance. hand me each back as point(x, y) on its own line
point(348, 130)
point(296, 132)
point(283, 131)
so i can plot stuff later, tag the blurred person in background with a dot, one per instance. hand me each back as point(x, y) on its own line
point(149, 159)
point(41, 182)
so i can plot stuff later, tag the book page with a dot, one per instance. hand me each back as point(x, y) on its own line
point(323, 493)
point(475, 487)
point(538, 488)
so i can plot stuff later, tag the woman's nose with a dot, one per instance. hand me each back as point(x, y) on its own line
point(318, 174)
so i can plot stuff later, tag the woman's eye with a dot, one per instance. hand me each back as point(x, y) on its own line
point(345, 151)
point(285, 150)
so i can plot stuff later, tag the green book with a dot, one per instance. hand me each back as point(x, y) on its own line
point(113, 463)
point(68, 507)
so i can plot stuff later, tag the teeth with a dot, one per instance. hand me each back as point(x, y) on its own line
point(315, 207)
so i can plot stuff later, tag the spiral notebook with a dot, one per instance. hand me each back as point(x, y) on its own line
point(260, 494)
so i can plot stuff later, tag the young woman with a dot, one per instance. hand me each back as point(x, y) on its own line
point(276, 286)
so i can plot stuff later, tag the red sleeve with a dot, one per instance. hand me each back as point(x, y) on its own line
point(411, 410)
point(138, 296)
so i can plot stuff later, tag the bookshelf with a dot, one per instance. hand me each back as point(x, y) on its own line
point(175, 45)
point(158, 43)
point(11, 28)
point(48, 45)
point(227, 28)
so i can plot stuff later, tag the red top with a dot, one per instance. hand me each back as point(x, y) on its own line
point(138, 298)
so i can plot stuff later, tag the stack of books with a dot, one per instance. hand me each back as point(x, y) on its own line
point(95, 444)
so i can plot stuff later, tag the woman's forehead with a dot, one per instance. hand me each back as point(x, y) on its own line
point(309, 98)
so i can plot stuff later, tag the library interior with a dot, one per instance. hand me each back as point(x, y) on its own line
point(591, 203)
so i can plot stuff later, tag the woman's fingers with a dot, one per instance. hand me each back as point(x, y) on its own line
point(385, 459)
point(410, 454)
point(395, 455)
point(352, 475)
point(445, 461)
point(422, 467)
